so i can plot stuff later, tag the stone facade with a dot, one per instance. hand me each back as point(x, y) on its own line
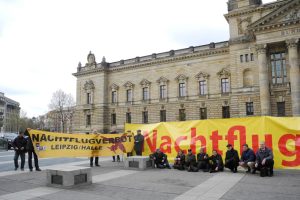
point(9, 114)
point(255, 72)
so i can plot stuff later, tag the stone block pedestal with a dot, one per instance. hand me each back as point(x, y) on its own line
point(138, 162)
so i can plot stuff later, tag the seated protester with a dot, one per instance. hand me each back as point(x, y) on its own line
point(215, 162)
point(191, 163)
point(160, 159)
point(179, 162)
point(232, 158)
point(248, 158)
point(202, 159)
point(264, 161)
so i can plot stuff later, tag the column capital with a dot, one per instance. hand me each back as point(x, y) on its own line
point(261, 48)
point(292, 43)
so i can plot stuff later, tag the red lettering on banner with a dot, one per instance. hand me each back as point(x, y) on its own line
point(177, 143)
point(268, 141)
point(195, 139)
point(282, 144)
point(231, 137)
point(166, 145)
point(152, 145)
point(215, 137)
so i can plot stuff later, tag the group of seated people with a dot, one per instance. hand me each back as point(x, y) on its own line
point(261, 161)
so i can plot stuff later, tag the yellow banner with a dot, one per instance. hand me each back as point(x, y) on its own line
point(282, 135)
point(50, 144)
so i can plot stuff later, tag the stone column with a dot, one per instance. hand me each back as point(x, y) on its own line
point(294, 75)
point(265, 104)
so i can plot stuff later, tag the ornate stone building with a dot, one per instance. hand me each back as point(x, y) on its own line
point(9, 114)
point(255, 73)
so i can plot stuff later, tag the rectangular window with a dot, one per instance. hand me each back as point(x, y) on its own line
point(241, 58)
point(145, 93)
point(246, 58)
point(163, 116)
point(162, 91)
point(128, 117)
point(182, 115)
point(145, 117)
point(114, 97)
point(252, 57)
point(202, 87)
point(88, 120)
point(113, 119)
point(129, 95)
point(225, 112)
point(182, 90)
point(88, 98)
point(249, 108)
point(203, 113)
point(281, 109)
point(278, 68)
point(225, 86)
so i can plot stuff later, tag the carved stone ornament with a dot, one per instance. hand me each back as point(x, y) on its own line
point(145, 82)
point(114, 87)
point(261, 48)
point(292, 43)
point(128, 84)
point(181, 77)
point(202, 75)
point(91, 58)
point(293, 15)
point(224, 73)
point(162, 80)
point(243, 24)
point(89, 85)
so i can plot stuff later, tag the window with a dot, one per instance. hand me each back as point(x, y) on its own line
point(241, 58)
point(249, 108)
point(251, 57)
point(129, 95)
point(182, 90)
point(145, 93)
point(278, 64)
point(113, 119)
point(114, 97)
point(163, 116)
point(203, 113)
point(182, 116)
point(225, 85)
point(281, 109)
point(145, 117)
point(162, 91)
point(202, 87)
point(128, 117)
point(88, 98)
point(88, 120)
point(246, 58)
point(225, 112)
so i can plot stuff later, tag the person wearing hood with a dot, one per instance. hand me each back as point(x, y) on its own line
point(232, 158)
point(31, 152)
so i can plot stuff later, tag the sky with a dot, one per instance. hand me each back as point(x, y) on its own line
point(42, 41)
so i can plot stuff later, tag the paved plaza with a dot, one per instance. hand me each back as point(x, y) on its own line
point(112, 182)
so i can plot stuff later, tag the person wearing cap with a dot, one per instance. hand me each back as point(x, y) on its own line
point(264, 160)
point(191, 163)
point(179, 162)
point(248, 157)
point(202, 160)
point(160, 159)
point(138, 143)
point(96, 157)
point(232, 158)
point(216, 162)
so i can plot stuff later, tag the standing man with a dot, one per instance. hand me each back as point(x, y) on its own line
point(247, 159)
point(31, 151)
point(264, 160)
point(232, 158)
point(138, 143)
point(96, 157)
point(19, 145)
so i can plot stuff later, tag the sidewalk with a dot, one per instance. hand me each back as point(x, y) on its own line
point(112, 182)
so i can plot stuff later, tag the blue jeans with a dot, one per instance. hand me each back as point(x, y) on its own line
point(16, 158)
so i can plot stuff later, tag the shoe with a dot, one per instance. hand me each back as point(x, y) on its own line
point(249, 170)
point(30, 170)
point(38, 169)
point(235, 170)
point(91, 165)
point(16, 169)
point(113, 161)
point(253, 171)
point(97, 165)
point(22, 169)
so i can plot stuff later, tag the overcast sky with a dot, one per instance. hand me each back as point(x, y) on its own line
point(42, 41)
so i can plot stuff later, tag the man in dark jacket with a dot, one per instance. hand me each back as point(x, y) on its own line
point(191, 163)
point(19, 145)
point(179, 161)
point(202, 159)
point(31, 151)
point(216, 162)
point(247, 159)
point(138, 143)
point(264, 160)
point(232, 158)
point(160, 159)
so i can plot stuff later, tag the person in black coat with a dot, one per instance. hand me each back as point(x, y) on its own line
point(138, 143)
point(216, 162)
point(203, 160)
point(232, 158)
point(191, 162)
point(160, 159)
point(179, 161)
point(31, 151)
point(19, 145)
